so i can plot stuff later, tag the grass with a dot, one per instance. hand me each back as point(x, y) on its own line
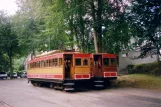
point(139, 81)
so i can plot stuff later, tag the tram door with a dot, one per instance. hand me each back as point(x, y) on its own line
point(98, 66)
point(67, 65)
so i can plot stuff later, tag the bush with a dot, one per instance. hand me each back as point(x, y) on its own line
point(130, 69)
point(149, 68)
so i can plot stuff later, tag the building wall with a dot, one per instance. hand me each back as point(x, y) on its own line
point(125, 60)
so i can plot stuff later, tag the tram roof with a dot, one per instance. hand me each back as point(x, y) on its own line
point(59, 55)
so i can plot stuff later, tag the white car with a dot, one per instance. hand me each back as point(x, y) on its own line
point(23, 75)
point(14, 75)
point(3, 75)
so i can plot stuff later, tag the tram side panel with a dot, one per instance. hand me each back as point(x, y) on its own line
point(109, 66)
point(81, 66)
point(44, 70)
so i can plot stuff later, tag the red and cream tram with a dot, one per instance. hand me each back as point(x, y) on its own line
point(103, 68)
point(61, 70)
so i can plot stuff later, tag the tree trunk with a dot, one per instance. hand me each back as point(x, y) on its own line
point(95, 42)
point(97, 20)
point(99, 24)
point(159, 62)
point(11, 69)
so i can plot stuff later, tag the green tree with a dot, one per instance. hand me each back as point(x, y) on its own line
point(9, 41)
point(145, 17)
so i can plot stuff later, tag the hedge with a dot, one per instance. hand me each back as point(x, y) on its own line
point(148, 68)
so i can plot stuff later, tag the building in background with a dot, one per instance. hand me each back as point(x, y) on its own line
point(130, 58)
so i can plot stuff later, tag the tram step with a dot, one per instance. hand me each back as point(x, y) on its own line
point(68, 83)
point(98, 81)
point(68, 89)
point(99, 85)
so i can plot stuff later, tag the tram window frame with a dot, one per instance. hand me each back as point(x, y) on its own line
point(37, 64)
point(80, 62)
point(49, 62)
point(52, 62)
point(84, 62)
point(42, 64)
point(46, 63)
point(34, 64)
point(56, 62)
point(108, 64)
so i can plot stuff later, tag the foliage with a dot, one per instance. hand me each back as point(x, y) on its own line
point(149, 68)
point(39, 25)
point(97, 24)
point(4, 62)
point(19, 64)
point(145, 16)
point(9, 43)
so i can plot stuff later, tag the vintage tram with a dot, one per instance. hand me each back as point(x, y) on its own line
point(68, 70)
point(103, 68)
point(60, 69)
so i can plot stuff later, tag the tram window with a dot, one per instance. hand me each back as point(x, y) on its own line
point(42, 64)
point(46, 63)
point(78, 62)
point(56, 62)
point(85, 62)
point(113, 61)
point(106, 61)
point(39, 64)
point(30, 65)
point(52, 62)
point(49, 62)
point(60, 61)
point(34, 64)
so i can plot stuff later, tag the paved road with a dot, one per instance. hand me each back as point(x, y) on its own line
point(19, 93)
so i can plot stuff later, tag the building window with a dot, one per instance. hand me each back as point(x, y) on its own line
point(124, 55)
